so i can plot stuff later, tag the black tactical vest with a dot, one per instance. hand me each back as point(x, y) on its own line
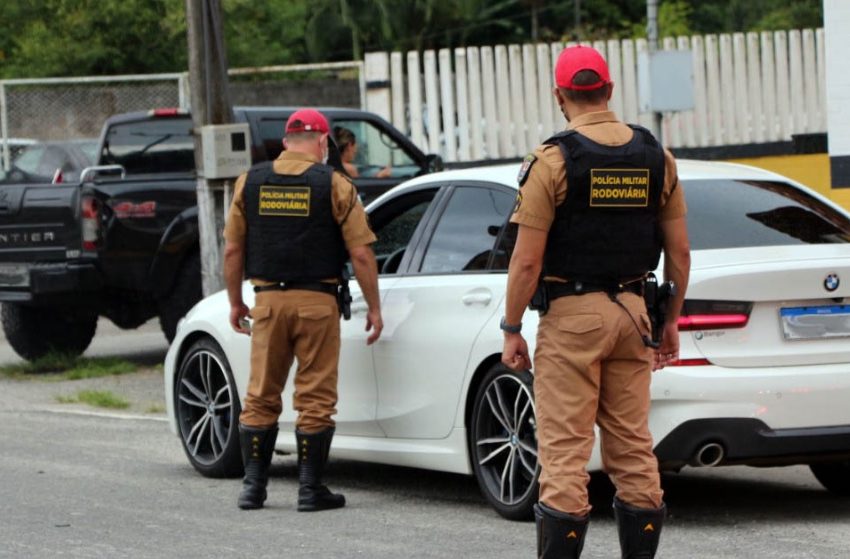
point(607, 229)
point(292, 233)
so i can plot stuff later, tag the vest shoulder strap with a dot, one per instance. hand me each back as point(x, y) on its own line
point(321, 173)
point(556, 139)
point(648, 136)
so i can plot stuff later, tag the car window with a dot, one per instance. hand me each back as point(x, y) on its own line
point(271, 136)
point(54, 158)
point(731, 214)
point(29, 159)
point(394, 223)
point(465, 236)
point(89, 151)
point(163, 145)
point(377, 155)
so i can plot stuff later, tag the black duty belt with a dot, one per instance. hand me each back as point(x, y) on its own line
point(320, 286)
point(577, 287)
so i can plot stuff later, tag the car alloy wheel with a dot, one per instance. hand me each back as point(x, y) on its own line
point(207, 409)
point(504, 442)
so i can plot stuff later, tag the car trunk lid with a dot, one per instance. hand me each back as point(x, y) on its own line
point(771, 306)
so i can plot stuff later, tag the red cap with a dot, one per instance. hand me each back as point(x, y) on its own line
point(307, 120)
point(575, 59)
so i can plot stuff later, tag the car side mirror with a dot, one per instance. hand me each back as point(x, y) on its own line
point(433, 163)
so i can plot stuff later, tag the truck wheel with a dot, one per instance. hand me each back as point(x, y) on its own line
point(33, 332)
point(186, 292)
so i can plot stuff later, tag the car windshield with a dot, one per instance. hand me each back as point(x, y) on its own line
point(736, 214)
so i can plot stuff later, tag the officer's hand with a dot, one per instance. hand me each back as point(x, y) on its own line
point(669, 349)
point(238, 313)
point(375, 323)
point(515, 352)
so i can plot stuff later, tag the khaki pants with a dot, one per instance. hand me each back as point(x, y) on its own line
point(591, 366)
point(288, 325)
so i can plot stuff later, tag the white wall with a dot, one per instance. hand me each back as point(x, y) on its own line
point(496, 102)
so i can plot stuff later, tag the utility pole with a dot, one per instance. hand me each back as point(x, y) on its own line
point(652, 41)
point(210, 100)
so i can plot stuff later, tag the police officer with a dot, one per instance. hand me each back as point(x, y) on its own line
point(597, 204)
point(291, 227)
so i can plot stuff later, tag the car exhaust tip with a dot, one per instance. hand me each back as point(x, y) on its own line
point(708, 455)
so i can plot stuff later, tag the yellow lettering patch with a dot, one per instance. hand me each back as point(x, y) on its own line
point(619, 188)
point(293, 201)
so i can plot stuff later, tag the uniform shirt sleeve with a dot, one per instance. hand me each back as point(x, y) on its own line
point(672, 198)
point(349, 213)
point(536, 200)
point(235, 228)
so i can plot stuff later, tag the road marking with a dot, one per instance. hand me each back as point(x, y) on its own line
point(107, 415)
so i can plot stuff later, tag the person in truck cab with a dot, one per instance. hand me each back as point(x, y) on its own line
point(347, 143)
point(291, 227)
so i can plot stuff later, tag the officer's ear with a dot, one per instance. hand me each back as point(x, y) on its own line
point(283, 141)
point(610, 87)
point(559, 97)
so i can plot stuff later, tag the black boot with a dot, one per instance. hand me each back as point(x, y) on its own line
point(639, 529)
point(559, 535)
point(257, 449)
point(313, 450)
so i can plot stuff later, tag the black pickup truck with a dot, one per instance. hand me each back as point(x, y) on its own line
point(123, 243)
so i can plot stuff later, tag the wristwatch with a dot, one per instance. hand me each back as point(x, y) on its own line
point(510, 328)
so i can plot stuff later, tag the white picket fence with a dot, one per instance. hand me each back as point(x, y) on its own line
point(476, 103)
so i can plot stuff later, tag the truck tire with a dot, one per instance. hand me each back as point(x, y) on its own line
point(34, 332)
point(185, 292)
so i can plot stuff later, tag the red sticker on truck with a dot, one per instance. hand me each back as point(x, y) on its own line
point(125, 210)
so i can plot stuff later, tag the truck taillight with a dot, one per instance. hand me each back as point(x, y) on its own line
point(91, 222)
point(169, 111)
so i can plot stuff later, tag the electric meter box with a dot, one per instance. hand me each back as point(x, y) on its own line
point(226, 150)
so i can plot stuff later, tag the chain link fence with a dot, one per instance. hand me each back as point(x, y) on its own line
point(58, 109)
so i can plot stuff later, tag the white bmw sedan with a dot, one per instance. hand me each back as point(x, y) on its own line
point(763, 379)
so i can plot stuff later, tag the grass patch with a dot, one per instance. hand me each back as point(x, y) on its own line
point(97, 399)
point(70, 367)
point(155, 408)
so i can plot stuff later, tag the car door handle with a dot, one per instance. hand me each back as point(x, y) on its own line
point(359, 307)
point(477, 297)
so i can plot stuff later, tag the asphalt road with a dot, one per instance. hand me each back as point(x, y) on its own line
point(75, 482)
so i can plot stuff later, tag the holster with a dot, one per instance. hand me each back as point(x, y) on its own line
point(540, 300)
point(343, 295)
point(657, 298)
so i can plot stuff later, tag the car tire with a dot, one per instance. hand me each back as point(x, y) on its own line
point(186, 291)
point(503, 442)
point(834, 476)
point(34, 332)
point(206, 408)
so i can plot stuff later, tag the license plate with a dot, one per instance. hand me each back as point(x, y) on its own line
point(14, 275)
point(812, 323)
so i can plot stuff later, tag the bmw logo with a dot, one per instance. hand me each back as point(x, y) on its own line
point(831, 282)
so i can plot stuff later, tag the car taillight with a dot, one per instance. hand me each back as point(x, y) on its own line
point(689, 362)
point(91, 222)
point(714, 315)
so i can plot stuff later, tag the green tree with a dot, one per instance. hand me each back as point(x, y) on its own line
point(84, 37)
point(91, 37)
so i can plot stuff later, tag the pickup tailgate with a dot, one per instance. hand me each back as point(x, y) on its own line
point(39, 224)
